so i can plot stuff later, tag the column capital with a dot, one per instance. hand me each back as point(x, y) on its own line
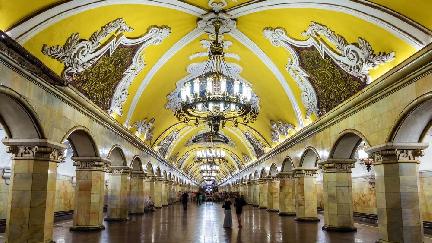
point(337, 165)
point(36, 149)
point(119, 170)
point(138, 174)
point(90, 163)
point(285, 175)
point(390, 153)
point(304, 172)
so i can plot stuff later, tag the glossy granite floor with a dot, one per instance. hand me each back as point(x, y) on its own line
point(204, 224)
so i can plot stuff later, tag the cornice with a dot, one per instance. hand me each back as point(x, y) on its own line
point(19, 60)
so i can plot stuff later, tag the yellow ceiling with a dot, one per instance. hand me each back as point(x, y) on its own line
point(274, 101)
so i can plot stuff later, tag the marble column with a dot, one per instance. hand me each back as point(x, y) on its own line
point(136, 198)
point(397, 191)
point(287, 205)
point(118, 193)
point(165, 192)
point(273, 195)
point(157, 192)
point(337, 195)
point(263, 191)
point(306, 195)
point(149, 187)
point(256, 193)
point(32, 189)
point(250, 193)
point(89, 193)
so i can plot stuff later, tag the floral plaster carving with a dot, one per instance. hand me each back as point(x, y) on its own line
point(79, 55)
point(356, 59)
point(165, 145)
point(280, 129)
point(258, 147)
point(145, 128)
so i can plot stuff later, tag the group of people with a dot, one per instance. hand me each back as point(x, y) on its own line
point(239, 203)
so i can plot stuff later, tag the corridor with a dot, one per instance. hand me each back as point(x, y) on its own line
point(204, 225)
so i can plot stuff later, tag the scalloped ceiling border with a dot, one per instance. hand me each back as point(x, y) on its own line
point(401, 26)
point(26, 30)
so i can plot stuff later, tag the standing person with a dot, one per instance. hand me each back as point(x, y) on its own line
point(238, 204)
point(228, 218)
point(184, 200)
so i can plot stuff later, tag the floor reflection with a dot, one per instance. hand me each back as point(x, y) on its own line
point(203, 224)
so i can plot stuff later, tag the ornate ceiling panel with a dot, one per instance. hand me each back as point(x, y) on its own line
point(129, 70)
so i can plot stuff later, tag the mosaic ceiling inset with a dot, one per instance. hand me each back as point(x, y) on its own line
point(302, 58)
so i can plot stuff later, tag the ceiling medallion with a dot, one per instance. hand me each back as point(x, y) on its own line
point(217, 95)
point(356, 59)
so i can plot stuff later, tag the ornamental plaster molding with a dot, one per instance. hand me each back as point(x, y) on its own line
point(228, 23)
point(78, 54)
point(35, 149)
point(34, 25)
point(393, 22)
point(166, 144)
point(280, 129)
point(258, 146)
point(357, 59)
point(145, 128)
point(253, 47)
point(206, 45)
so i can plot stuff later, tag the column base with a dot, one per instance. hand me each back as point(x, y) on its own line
point(262, 207)
point(287, 214)
point(307, 219)
point(273, 210)
point(339, 229)
point(87, 228)
point(116, 219)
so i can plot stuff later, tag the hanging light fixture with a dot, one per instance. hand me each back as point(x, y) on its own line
point(218, 95)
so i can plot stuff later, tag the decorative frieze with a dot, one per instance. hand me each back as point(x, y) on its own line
point(119, 170)
point(36, 149)
point(337, 165)
point(91, 163)
point(285, 175)
point(303, 172)
point(397, 152)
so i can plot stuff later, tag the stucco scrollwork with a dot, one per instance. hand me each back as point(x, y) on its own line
point(280, 129)
point(258, 146)
point(79, 55)
point(356, 59)
point(145, 128)
point(165, 145)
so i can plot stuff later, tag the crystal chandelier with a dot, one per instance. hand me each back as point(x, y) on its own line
point(217, 95)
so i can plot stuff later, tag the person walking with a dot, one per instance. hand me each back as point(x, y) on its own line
point(238, 204)
point(228, 218)
point(184, 200)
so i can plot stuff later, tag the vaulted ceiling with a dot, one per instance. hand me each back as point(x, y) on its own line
point(302, 58)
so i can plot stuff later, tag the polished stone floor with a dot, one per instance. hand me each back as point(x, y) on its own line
point(203, 224)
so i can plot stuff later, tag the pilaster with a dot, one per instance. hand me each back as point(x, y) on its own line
point(337, 195)
point(157, 192)
point(287, 205)
point(306, 194)
point(118, 193)
point(136, 198)
point(263, 191)
point(273, 194)
point(32, 189)
point(89, 193)
point(397, 191)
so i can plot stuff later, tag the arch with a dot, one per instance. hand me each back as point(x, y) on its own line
point(117, 156)
point(82, 142)
point(273, 170)
point(250, 177)
point(310, 158)
point(136, 164)
point(346, 145)
point(287, 165)
point(414, 121)
point(256, 174)
point(17, 117)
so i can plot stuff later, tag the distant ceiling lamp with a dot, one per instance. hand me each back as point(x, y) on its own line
point(364, 157)
point(210, 153)
point(218, 95)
